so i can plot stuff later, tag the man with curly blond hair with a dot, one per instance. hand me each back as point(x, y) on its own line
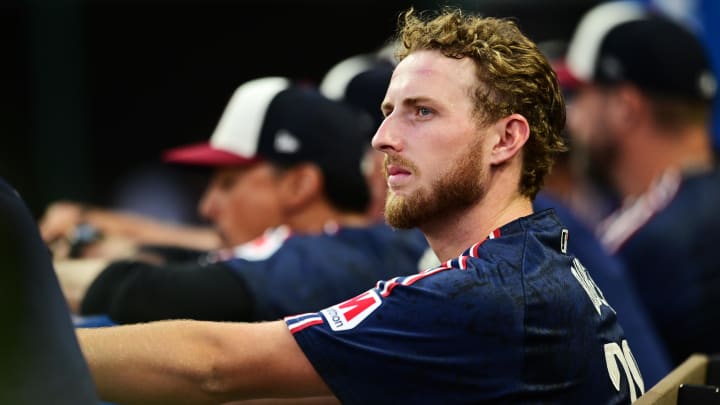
point(473, 115)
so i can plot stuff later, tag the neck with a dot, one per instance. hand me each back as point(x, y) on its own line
point(685, 150)
point(320, 217)
point(451, 235)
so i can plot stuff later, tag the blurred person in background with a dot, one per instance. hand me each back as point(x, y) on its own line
point(361, 81)
point(287, 165)
point(74, 229)
point(575, 179)
point(642, 111)
point(567, 187)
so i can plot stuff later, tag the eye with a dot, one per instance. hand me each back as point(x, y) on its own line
point(227, 183)
point(423, 111)
point(226, 180)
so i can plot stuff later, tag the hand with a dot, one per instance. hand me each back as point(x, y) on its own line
point(60, 219)
point(109, 247)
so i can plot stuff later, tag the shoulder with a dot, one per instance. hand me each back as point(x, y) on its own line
point(693, 210)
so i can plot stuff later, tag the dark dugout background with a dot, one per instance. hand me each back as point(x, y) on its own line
point(92, 91)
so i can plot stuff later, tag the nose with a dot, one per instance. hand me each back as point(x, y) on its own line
point(207, 207)
point(385, 139)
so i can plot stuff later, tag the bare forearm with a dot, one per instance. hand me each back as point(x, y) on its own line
point(140, 363)
point(61, 219)
point(197, 362)
point(150, 231)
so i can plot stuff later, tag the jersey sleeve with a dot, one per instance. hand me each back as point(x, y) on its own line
point(511, 320)
point(399, 332)
point(131, 291)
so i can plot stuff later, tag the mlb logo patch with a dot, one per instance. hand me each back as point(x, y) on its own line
point(349, 314)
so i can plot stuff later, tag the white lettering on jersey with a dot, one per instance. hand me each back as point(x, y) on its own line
point(349, 314)
point(596, 296)
point(615, 354)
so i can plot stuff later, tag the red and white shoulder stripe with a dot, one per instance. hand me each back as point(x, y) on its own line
point(296, 323)
point(474, 251)
point(623, 223)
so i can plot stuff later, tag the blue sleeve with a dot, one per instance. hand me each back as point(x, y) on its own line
point(313, 272)
point(396, 336)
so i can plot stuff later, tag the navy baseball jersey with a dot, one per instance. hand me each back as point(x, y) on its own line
point(275, 275)
point(287, 275)
point(668, 239)
point(512, 320)
point(612, 277)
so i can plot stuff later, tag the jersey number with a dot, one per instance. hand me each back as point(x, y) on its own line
point(614, 354)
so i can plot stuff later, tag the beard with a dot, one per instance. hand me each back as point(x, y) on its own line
point(595, 160)
point(458, 188)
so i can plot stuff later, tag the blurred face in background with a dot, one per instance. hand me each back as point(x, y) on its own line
point(592, 128)
point(373, 168)
point(242, 202)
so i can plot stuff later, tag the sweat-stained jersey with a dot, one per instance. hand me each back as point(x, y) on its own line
point(514, 319)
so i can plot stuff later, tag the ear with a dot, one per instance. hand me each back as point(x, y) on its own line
point(512, 133)
point(301, 184)
point(627, 108)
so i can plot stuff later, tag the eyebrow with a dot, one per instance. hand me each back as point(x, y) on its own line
point(409, 101)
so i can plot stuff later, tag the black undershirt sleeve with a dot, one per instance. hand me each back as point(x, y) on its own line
point(131, 292)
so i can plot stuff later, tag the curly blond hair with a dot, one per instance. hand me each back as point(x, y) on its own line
point(513, 77)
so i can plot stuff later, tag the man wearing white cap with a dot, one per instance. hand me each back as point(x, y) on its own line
point(642, 110)
point(287, 166)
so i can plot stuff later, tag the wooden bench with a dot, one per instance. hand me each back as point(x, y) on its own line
point(692, 382)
